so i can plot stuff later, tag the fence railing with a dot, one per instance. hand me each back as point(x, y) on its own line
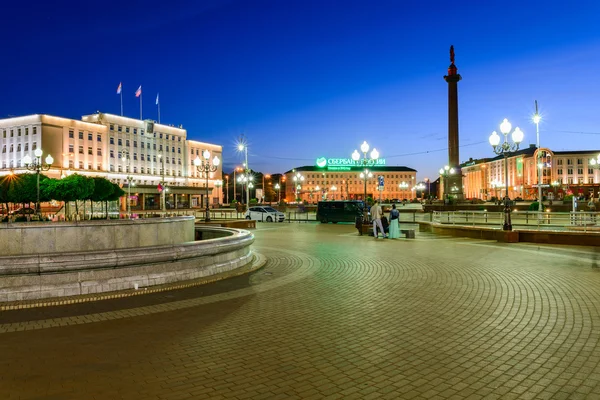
point(578, 220)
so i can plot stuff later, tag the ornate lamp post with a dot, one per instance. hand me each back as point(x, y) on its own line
point(244, 147)
point(428, 187)
point(126, 161)
point(445, 173)
point(536, 120)
point(227, 189)
point(37, 165)
point(420, 187)
point(505, 149)
point(366, 174)
point(298, 179)
point(162, 186)
point(205, 166)
point(333, 189)
point(245, 180)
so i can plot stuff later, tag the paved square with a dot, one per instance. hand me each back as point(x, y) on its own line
point(331, 315)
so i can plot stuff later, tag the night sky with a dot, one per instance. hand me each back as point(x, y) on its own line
point(303, 79)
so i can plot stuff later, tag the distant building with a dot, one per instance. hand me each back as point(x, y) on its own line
point(94, 146)
point(339, 179)
point(563, 172)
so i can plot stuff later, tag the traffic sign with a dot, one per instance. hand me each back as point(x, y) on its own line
point(380, 178)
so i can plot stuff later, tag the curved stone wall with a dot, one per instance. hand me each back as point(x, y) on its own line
point(59, 237)
point(56, 274)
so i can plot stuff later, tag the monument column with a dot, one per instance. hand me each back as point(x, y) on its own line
point(454, 184)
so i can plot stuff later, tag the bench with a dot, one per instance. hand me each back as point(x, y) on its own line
point(368, 230)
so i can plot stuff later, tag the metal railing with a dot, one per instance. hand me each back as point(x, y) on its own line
point(578, 220)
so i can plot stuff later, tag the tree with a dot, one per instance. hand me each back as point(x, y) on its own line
point(116, 194)
point(103, 188)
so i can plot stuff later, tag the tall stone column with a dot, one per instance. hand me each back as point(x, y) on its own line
point(454, 183)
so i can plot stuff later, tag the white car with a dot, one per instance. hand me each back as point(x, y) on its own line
point(265, 214)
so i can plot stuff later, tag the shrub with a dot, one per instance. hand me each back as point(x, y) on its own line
point(535, 206)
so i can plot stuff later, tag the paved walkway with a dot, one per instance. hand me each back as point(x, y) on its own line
point(331, 315)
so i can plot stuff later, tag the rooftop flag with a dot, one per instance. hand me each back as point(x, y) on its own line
point(156, 98)
point(138, 92)
point(119, 88)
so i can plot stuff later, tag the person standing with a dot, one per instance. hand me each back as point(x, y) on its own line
point(394, 223)
point(376, 216)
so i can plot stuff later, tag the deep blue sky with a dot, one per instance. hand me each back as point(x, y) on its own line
point(303, 79)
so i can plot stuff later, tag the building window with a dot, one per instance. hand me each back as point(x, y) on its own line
point(127, 142)
point(142, 144)
point(160, 136)
point(581, 181)
point(192, 151)
point(154, 158)
point(173, 149)
point(81, 135)
point(80, 149)
point(166, 148)
point(71, 135)
point(19, 147)
point(579, 161)
point(98, 138)
point(142, 132)
point(569, 161)
point(127, 129)
point(570, 171)
point(34, 146)
point(166, 159)
point(112, 154)
point(173, 160)
point(90, 136)
point(179, 150)
point(34, 130)
point(135, 170)
point(4, 134)
point(579, 171)
point(112, 140)
point(19, 132)
point(142, 170)
point(112, 168)
point(12, 133)
point(590, 180)
point(80, 164)
point(154, 146)
point(99, 167)
point(26, 146)
point(90, 166)
point(590, 171)
point(119, 128)
point(135, 131)
point(120, 168)
point(142, 157)
point(4, 149)
point(71, 148)
point(99, 152)
point(26, 131)
point(135, 143)
point(120, 141)
point(71, 164)
point(160, 147)
point(135, 156)
point(179, 139)
point(112, 127)
point(559, 171)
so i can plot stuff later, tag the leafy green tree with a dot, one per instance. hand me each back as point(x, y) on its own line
point(103, 188)
point(116, 194)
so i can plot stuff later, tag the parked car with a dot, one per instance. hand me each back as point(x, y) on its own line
point(22, 211)
point(265, 214)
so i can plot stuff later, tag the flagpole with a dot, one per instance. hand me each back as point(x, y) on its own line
point(158, 104)
point(141, 94)
point(121, 102)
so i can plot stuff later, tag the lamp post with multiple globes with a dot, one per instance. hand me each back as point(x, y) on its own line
point(364, 162)
point(445, 173)
point(504, 149)
point(205, 166)
point(37, 165)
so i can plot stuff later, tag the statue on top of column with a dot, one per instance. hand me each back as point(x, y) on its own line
point(451, 54)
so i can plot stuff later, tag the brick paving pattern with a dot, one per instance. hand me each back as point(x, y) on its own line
point(331, 316)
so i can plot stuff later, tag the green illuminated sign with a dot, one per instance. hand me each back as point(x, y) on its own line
point(335, 164)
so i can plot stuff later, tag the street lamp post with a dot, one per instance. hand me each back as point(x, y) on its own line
point(244, 147)
point(504, 149)
point(428, 188)
point(536, 120)
point(227, 189)
point(37, 165)
point(163, 190)
point(277, 188)
point(298, 179)
point(218, 185)
point(364, 162)
point(445, 173)
point(205, 166)
point(126, 160)
point(333, 189)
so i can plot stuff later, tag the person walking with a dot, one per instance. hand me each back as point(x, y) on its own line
point(376, 216)
point(394, 223)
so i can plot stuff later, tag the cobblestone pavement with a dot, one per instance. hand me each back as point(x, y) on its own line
point(331, 315)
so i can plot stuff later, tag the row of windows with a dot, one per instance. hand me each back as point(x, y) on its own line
point(143, 145)
point(324, 174)
point(25, 147)
point(570, 171)
point(135, 132)
point(12, 132)
point(90, 136)
point(569, 161)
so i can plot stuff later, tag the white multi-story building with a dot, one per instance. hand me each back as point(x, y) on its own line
point(116, 148)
